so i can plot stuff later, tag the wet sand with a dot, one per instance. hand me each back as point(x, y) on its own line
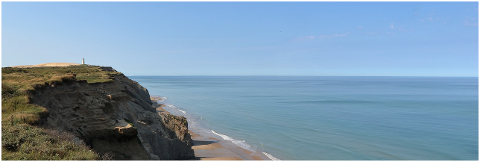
point(212, 149)
point(209, 148)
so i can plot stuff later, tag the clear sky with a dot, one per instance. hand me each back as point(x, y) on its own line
point(247, 38)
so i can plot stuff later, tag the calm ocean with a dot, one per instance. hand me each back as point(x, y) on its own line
point(331, 118)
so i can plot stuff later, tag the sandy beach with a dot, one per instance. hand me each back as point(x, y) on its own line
point(210, 148)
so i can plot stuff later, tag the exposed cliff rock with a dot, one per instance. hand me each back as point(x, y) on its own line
point(114, 117)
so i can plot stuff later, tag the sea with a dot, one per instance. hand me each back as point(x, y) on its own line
point(330, 117)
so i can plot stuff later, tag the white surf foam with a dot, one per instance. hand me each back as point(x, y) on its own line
point(239, 143)
point(225, 137)
point(271, 157)
point(184, 112)
point(177, 109)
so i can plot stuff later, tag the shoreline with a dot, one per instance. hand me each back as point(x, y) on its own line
point(211, 148)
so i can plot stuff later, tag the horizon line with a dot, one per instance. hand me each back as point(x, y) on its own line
point(304, 76)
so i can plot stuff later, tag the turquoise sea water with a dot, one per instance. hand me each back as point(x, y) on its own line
point(331, 118)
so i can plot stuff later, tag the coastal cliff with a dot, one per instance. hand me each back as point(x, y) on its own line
point(114, 116)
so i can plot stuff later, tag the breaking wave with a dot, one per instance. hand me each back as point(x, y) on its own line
point(239, 143)
point(177, 109)
point(271, 157)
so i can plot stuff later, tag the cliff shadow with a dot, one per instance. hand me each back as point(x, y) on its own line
point(200, 143)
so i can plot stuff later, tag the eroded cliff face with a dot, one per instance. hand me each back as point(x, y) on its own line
point(115, 118)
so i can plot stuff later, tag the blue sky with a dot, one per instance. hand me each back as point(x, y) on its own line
point(247, 38)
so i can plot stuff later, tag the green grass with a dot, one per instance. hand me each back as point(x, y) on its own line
point(27, 142)
point(22, 139)
point(40, 75)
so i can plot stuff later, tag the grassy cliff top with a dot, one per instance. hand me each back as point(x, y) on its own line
point(28, 78)
point(22, 139)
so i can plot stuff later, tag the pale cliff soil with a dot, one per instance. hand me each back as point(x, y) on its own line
point(208, 148)
point(53, 64)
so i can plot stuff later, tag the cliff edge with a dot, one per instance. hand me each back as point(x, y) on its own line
point(106, 110)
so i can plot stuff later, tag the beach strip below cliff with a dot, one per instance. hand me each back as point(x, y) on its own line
point(211, 148)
